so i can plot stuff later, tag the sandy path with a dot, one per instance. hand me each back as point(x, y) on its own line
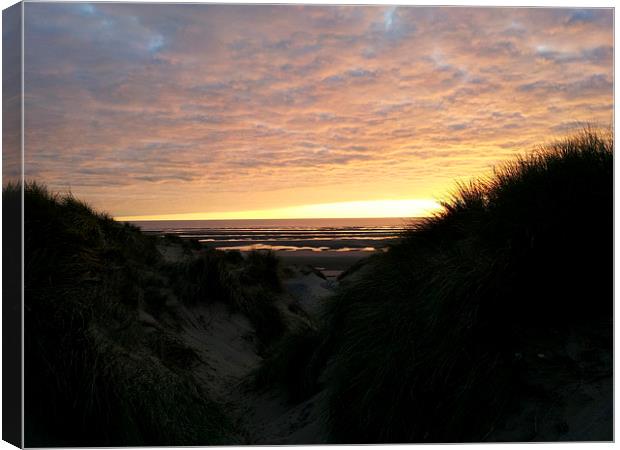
point(226, 346)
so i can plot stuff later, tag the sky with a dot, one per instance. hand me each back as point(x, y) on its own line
point(247, 111)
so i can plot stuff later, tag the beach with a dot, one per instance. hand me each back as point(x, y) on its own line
point(330, 246)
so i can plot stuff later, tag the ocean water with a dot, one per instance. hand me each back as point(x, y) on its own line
point(286, 235)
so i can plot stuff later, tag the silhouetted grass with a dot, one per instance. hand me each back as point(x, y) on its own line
point(93, 375)
point(422, 348)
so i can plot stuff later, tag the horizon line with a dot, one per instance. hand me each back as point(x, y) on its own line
point(372, 209)
point(123, 219)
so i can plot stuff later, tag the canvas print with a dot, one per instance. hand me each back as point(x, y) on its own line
point(307, 224)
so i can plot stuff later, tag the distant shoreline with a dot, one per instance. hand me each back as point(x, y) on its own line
point(160, 225)
point(325, 244)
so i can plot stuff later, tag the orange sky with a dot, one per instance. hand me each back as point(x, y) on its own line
point(255, 111)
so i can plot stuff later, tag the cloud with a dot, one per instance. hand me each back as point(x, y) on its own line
point(165, 108)
point(600, 55)
point(569, 126)
point(580, 88)
point(588, 16)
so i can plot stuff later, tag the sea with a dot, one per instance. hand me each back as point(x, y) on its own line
point(286, 235)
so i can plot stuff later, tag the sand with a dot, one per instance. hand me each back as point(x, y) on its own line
point(226, 345)
point(268, 416)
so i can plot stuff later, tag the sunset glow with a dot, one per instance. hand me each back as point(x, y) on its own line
point(379, 208)
point(238, 111)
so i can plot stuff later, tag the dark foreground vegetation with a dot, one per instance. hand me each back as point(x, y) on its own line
point(94, 374)
point(488, 321)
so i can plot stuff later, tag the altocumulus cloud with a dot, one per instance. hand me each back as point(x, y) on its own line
point(201, 104)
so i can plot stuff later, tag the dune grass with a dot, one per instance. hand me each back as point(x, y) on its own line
point(424, 347)
point(93, 375)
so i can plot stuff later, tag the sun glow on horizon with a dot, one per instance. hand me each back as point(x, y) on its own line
point(340, 210)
